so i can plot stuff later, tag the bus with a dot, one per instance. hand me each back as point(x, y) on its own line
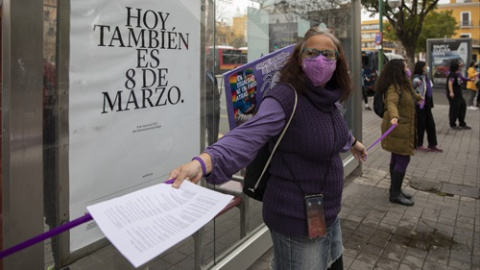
point(228, 57)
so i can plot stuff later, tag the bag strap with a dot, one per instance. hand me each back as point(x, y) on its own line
point(279, 138)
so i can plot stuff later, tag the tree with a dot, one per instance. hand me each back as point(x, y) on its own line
point(406, 21)
point(436, 25)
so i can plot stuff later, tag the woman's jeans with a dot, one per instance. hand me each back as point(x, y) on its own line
point(300, 252)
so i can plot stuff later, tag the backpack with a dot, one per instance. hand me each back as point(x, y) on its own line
point(379, 103)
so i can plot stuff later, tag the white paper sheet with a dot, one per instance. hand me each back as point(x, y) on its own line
point(147, 222)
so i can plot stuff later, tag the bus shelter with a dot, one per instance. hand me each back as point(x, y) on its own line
point(102, 98)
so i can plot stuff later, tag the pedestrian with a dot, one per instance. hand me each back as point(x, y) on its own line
point(472, 74)
point(458, 106)
point(394, 83)
point(477, 84)
point(212, 103)
point(307, 163)
point(365, 80)
point(425, 122)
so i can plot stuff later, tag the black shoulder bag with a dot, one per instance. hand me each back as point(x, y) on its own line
point(257, 172)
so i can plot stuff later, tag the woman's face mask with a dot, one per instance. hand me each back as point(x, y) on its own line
point(408, 72)
point(319, 69)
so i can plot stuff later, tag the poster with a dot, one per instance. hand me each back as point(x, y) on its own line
point(442, 52)
point(245, 86)
point(134, 98)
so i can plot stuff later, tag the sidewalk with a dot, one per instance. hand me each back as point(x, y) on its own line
point(442, 229)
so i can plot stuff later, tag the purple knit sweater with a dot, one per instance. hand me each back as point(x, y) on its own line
point(311, 129)
point(307, 161)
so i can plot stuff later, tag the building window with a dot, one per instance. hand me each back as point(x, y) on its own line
point(465, 35)
point(370, 27)
point(465, 19)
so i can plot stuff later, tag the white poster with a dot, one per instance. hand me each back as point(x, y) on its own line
point(134, 109)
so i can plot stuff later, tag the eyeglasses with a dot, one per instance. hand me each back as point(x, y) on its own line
point(314, 53)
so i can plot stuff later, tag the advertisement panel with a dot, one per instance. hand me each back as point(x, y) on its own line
point(134, 98)
point(440, 52)
point(245, 86)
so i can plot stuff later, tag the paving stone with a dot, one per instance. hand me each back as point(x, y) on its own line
point(394, 251)
point(414, 257)
point(358, 265)
point(438, 254)
point(405, 266)
point(367, 258)
point(433, 265)
point(386, 264)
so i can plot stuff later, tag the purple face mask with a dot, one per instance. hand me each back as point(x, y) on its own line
point(408, 73)
point(319, 70)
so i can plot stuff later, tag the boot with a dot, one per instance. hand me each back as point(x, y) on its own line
point(396, 191)
point(406, 195)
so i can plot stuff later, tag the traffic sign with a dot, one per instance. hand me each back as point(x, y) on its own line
point(378, 38)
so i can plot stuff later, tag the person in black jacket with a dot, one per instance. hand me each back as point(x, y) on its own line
point(458, 106)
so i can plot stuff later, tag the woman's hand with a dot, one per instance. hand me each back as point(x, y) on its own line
point(191, 171)
point(394, 121)
point(451, 95)
point(359, 152)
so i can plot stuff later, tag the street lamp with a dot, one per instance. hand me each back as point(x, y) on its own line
point(393, 4)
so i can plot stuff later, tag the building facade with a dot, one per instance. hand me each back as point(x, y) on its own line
point(467, 15)
point(370, 28)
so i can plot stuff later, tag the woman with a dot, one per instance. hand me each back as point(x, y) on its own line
point(307, 161)
point(425, 122)
point(394, 82)
point(471, 85)
point(458, 106)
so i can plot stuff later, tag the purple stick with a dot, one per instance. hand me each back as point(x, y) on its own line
point(46, 235)
point(169, 181)
point(53, 232)
point(382, 137)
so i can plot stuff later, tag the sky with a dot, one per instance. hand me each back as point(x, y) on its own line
point(366, 15)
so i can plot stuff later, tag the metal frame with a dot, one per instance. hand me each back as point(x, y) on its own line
point(22, 111)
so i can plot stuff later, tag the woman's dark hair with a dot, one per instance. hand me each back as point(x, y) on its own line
point(293, 73)
point(454, 65)
point(393, 73)
point(418, 69)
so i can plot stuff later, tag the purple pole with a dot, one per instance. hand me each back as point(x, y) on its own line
point(382, 137)
point(58, 230)
point(45, 235)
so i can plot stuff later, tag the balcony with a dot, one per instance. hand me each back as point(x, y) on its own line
point(466, 24)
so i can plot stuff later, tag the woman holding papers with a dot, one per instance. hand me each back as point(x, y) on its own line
point(399, 97)
point(306, 166)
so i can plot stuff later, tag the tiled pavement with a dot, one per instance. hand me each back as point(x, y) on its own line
point(442, 229)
